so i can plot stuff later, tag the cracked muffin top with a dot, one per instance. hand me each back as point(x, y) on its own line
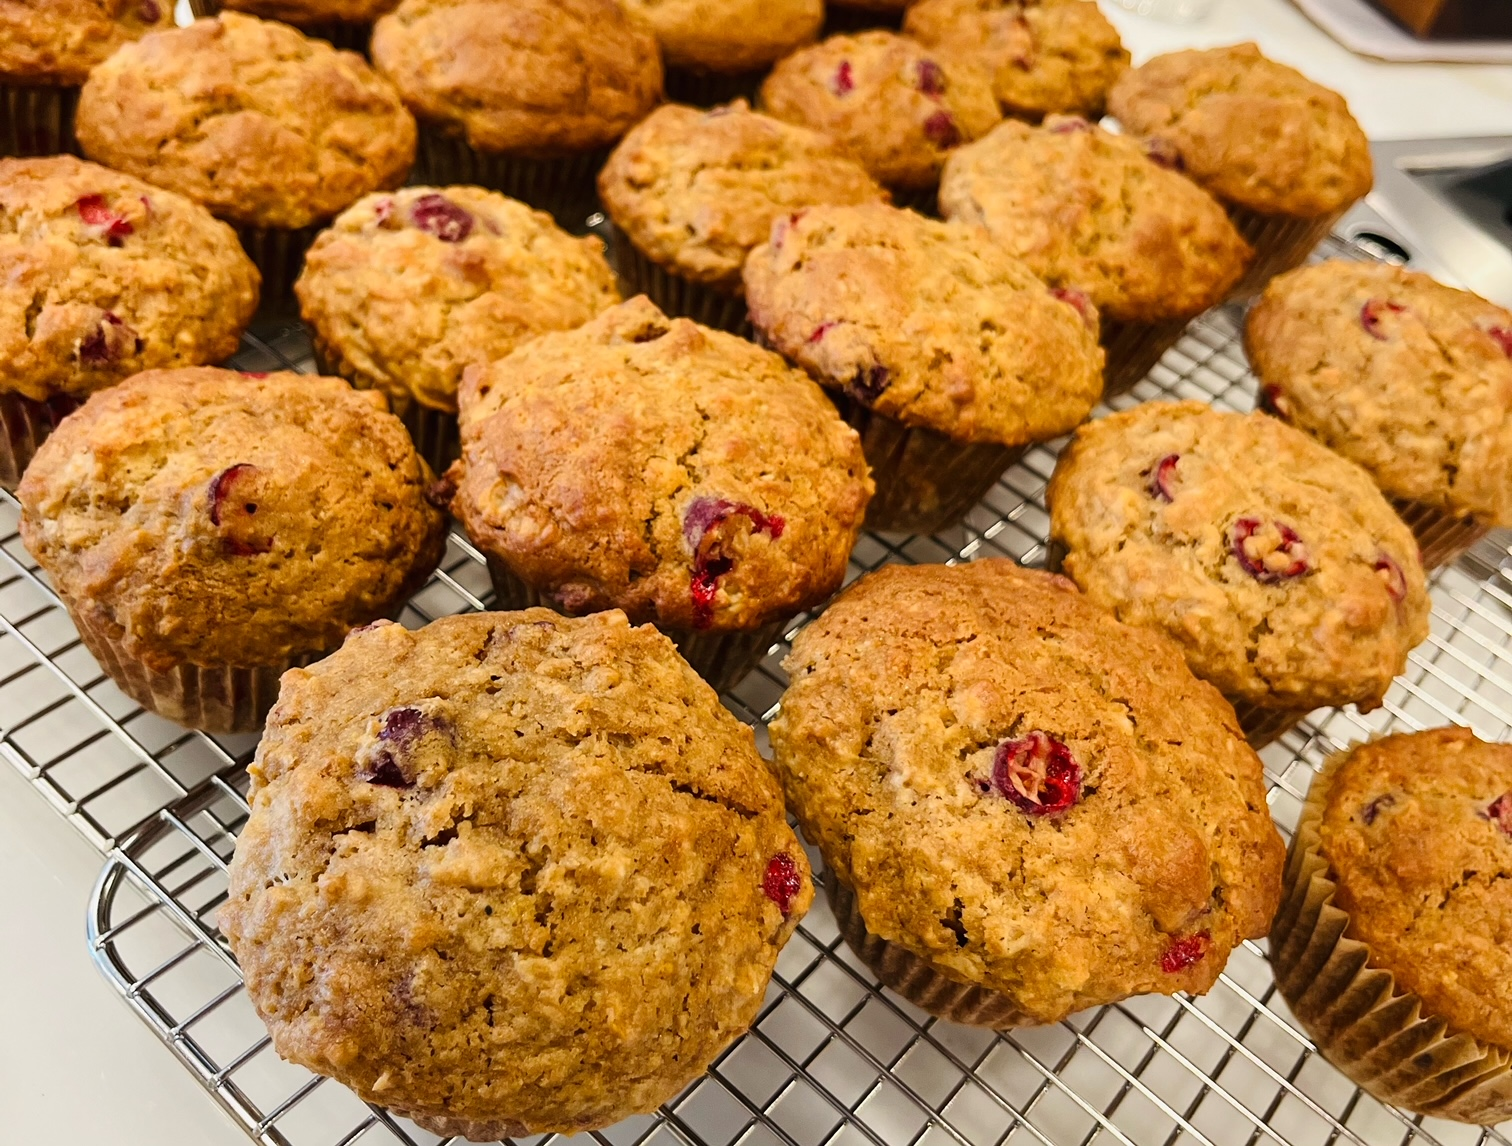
point(511, 873)
point(1255, 133)
point(926, 323)
point(106, 276)
point(1417, 832)
point(1406, 376)
point(1021, 790)
point(406, 289)
point(892, 103)
point(696, 191)
point(727, 36)
point(714, 488)
point(530, 76)
point(1088, 210)
point(58, 41)
point(1043, 55)
point(303, 13)
point(215, 518)
point(261, 124)
point(1275, 564)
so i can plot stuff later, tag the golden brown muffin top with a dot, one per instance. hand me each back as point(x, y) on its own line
point(253, 119)
point(510, 873)
point(1417, 832)
point(1255, 133)
point(1023, 791)
point(726, 36)
point(58, 41)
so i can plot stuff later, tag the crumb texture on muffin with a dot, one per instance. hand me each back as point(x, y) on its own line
point(727, 36)
point(105, 276)
point(713, 486)
point(59, 41)
point(1276, 566)
point(1021, 790)
point(926, 323)
point(1254, 132)
point(510, 873)
point(1406, 376)
point(698, 190)
point(258, 122)
point(214, 518)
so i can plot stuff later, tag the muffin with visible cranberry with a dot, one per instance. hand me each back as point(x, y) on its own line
point(1344, 351)
point(1391, 945)
point(47, 48)
point(273, 132)
point(104, 276)
point(1089, 211)
point(520, 96)
point(407, 288)
point(692, 193)
point(714, 491)
point(1025, 808)
point(891, 102)
point(1282, 153)
point(1275, 565)
point(208, 529)
point(344, 23)
point(946, 352)
point(1044, 56)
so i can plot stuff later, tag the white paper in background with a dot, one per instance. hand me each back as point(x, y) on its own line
point(1363, 28)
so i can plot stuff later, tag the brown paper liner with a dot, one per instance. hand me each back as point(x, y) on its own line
point(915, 978)
point(37, 120)
point(563, 185)
point(472, 1129)
point(434, 432)
point(1281, 243)
point(1262, 726)
point(722, 657)
point(920, 200)
point(676, 295)
point(24, 425)
point(340, 33)
point(1376, 1034)
point(709, 89)
point(1133, 349)
point(1442, 538)
point(279, 257)
point(846, 19)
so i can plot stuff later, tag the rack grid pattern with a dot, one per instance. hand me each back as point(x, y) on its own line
point(834, 1059)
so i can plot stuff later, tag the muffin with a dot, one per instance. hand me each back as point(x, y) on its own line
point(344, 23)
point(104, 276)
point(208, 529)
point(1275, 565)
point(1043, 55)
point(944, 351)
point(714, 491)
point(1282, 153)
point(406, 289)
point(525, 848)
point(1410, 378)
point(692, 193)
point(1025, 808)
point(1088, 211)
point(522, 96)
point(887, 100)
point(1391, 943)
point(46, 50)
point(716, 50)
point(273, 132)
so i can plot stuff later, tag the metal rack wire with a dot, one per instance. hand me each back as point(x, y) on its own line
point(833, 1060)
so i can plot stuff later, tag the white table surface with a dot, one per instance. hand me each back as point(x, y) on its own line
point(76, 1067)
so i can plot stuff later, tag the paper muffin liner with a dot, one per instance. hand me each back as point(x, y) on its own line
point(1133, 349)
point(37, 119)
point(1262, 726)
point(915, 978)
point(920, 200)
point(24, 425)
point(563, 185)
point(723, 657)
point(709, 89)
point(1378, 1035)
point(1281, 243)
point(1442, 538)
point(676, 296)
point(435, 433)
point(279, 256)
point(847, 19)
point(471, 1129)
point(340, 33)
point(204, 8)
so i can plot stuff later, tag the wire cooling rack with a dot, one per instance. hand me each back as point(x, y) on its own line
point(833, 1059)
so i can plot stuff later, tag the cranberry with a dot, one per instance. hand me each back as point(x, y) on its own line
point(1372, 810)
point(1037, 774)
point(1164, 153)
point(233, 506)
point(781, 883)
point(702, 530)
point(845, 79)
point(110, 341)
point(1500, 812)
point(821, 330)
point(383, 209)
point(437, 215)
point(1372, 314)
point(113, 228)
point(1392, 576)
point(149, 11)
point(940, 128)
point(386, 773)
point(1283, 558)
point(1076, 300)
point(1274, 403)
point(931, 78)
point(1163, 477)
point(1182, 953)
point(440, 492)
point(1069, 124)
point(1502, 336)
point(869, 383)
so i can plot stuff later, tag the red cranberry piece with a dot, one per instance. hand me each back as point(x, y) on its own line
point(931, 78)
point(1069, 124)
point(1373, 313)
point(1284, 558)
point(149, 11)
point(1392, 576)
point(1182, 953)
point(1274, 403)
point(440, 492)
point(941, 129)
point(845, 79)
point(113, 228)
point(1164, 153)
point(437, 215)
point(781, 883)
point(702, 530)
point(1502, 336)
point(1037, 774)
point(821, 330)
point(1163, 478)
point(1500, 813)
point(383, 210)
point(234, 494)
point(1372, 810)
point(109, 342)
point(869, 383)
point(1076, 300)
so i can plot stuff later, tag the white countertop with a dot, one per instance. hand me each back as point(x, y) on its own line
point(76, 1067)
